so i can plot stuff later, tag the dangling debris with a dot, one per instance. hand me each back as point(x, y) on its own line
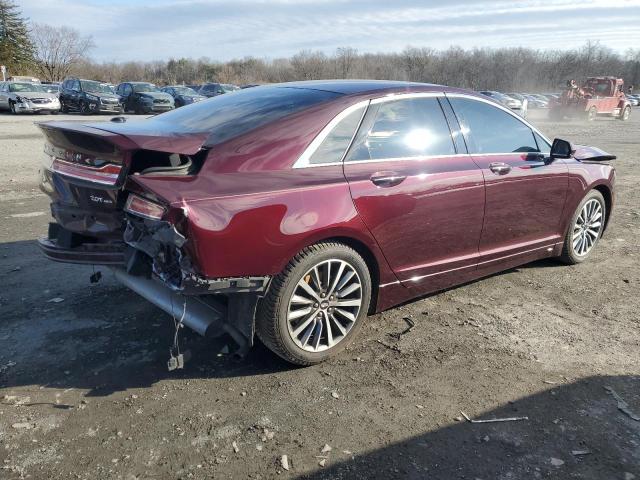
point(492, 420)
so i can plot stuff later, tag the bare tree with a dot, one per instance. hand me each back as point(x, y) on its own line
point(58, 50)
point(345, 58)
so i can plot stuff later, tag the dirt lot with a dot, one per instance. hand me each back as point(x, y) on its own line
point(85, 392)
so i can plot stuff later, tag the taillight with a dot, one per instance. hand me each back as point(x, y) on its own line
point(106, 175)
point(144, 208)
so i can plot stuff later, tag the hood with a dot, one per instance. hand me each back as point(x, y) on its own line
point(591, 154)
point(35, 95)
point(104, 95)
point(159, 95)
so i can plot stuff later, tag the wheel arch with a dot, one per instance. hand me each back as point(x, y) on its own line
point(369, 258)
point(608, 202)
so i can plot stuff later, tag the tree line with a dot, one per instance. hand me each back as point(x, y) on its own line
point(53, 53)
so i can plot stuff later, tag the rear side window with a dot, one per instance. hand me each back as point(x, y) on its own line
point(488, 129)
point(336, 142)
point(406, 128)
point(228, 116)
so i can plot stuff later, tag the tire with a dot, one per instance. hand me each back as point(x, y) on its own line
point(289, 313)
point(572, 249)
point(64, 108)
point(592, 114)
point(626, 112)
point(12, 108)
point(84, 108)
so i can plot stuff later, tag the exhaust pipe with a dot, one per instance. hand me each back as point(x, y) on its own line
point(198, 315)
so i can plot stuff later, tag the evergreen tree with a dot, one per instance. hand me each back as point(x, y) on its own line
point(16, 48)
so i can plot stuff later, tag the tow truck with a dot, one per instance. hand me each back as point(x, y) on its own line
point(598, 96)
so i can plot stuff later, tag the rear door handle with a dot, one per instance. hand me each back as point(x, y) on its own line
point(500, 168)
point(387, 179)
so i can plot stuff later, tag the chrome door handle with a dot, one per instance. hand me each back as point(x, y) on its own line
point(387, 179)
point(500, 168)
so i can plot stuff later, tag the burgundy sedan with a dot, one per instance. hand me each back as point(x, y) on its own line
point(294, 210)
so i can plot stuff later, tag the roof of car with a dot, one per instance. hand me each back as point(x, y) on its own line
point(348, 87)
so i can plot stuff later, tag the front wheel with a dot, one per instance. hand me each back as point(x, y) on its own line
point(586, 229)
point(84, 108)
point(12, 107)
point(592, 114)
point(314, 308)
point(626, 112)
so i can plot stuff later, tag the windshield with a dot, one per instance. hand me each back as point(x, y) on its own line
point(144, 87)
point(94, 87)
point(26, 87)
point(228, 116)
point(185, 91)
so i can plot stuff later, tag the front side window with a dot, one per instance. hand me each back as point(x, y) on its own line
point(488, 129)
point(336, 142)
point(406, 128)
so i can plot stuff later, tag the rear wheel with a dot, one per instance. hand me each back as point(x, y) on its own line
point(314, 308)
point(586, 229)
point(592, 114)
point(626, 112)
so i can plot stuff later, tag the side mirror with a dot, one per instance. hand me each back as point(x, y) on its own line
point(561, 149)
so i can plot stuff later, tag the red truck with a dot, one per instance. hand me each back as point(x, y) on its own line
point(602, 96)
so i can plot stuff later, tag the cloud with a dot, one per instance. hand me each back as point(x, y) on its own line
point(147, 30)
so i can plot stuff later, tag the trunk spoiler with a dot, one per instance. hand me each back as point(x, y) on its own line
point(137, 134)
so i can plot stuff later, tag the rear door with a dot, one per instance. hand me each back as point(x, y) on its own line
point(420, 195)
point(525, 191)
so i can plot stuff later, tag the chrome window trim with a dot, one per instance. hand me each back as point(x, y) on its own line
point(303, 160)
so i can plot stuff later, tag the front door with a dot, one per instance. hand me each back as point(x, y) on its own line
point(525, 190)
point(419, 195)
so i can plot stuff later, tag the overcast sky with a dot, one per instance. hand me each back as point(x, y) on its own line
point(221, 30)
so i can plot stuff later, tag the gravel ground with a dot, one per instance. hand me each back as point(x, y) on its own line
point(85, 393)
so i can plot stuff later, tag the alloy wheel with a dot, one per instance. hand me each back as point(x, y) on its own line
point(587, 227)
point(324, 305)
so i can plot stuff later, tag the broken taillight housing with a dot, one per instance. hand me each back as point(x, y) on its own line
point(142, 207)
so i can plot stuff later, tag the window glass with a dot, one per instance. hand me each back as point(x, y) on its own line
point(228, 116)
point(543, 145)
point(334, 145)
point(408, 128)
point(489, 129)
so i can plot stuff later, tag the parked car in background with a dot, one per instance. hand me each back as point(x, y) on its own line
point(25, 97)
point(294, 210)
point(213, 89)
point(506, 100)
point(633, 100)
point(183, 95)
point(143, 97)
point(52, 87)
point(88, 96)
point(23, 78)
point(537, 101)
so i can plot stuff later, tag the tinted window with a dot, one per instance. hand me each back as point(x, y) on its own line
point(334, 145)
point(227, 116)
point(543, 145)
point(490, 129)
point(407, 128)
